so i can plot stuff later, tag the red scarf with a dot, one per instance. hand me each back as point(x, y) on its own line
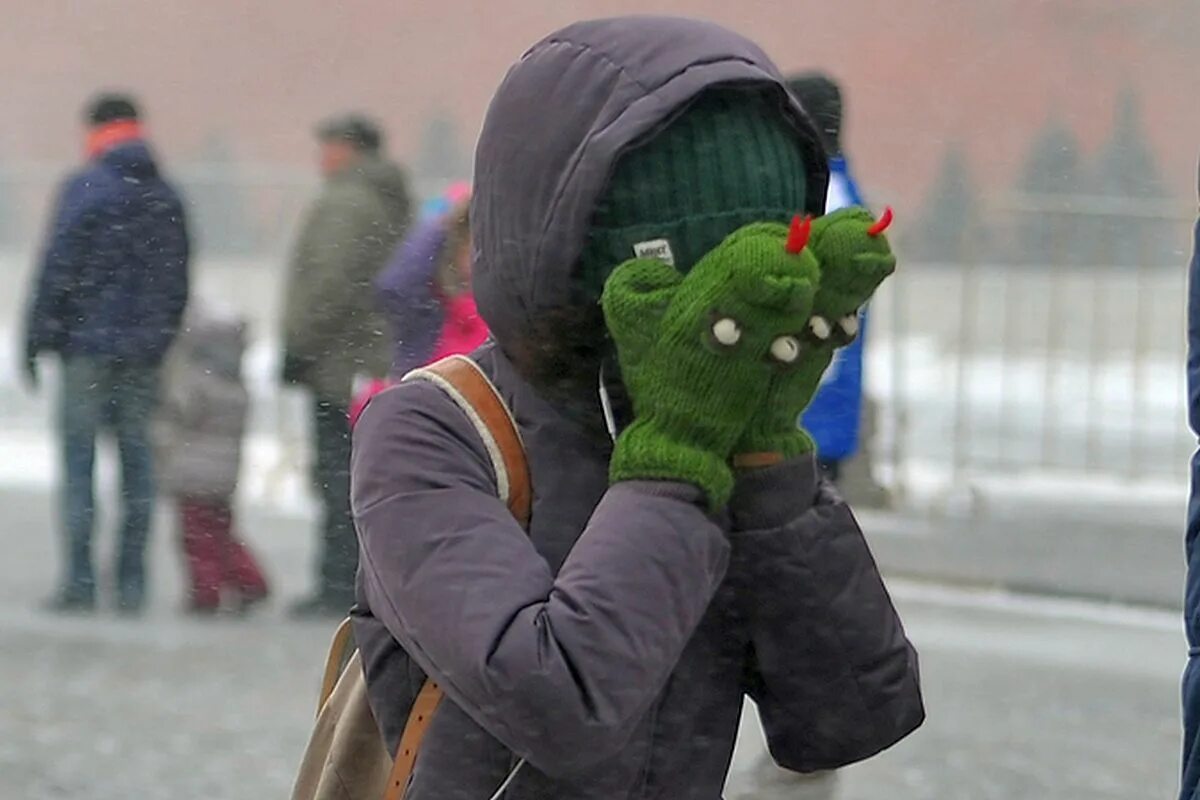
point(103, 138)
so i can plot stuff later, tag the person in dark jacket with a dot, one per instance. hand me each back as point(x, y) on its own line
point(1191, 674)
point(333, 332)
point(108, 299)
point(605, 652)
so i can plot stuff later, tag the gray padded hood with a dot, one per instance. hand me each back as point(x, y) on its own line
point(558, 123)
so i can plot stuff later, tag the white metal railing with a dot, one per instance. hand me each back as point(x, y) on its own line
point(1048, 362)
point(985, 367)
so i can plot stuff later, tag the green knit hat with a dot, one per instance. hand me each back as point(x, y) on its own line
point(731, 158)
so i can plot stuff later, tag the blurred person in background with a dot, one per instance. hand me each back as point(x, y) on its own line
point(835, 417)
point(425, 290)
point(1191, 675)
point(198, 438)
point(683, 550)
point(462, 329)
point(333, 335)
point(108, 299)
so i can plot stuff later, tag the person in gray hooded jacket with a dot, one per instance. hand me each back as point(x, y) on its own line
point(606, 651)
point(198, 435)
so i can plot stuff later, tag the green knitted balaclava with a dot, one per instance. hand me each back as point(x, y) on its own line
point(730, 159)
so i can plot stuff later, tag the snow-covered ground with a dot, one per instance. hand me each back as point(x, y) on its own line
point(1026, 696)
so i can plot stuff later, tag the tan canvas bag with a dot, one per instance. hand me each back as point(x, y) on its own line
point(346, 758)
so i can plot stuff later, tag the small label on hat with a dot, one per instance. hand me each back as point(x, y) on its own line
point(655, 248)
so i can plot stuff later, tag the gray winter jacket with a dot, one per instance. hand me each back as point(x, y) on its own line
point(201, 419)
point(612, 645)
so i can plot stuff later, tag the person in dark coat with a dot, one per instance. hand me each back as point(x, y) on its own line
point(107, 301)
point(1191, 674)
point(606, 651)
point(333, 330)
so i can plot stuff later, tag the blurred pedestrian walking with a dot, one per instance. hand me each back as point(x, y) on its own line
point(199, 434)
point(333, 332)
point(109, 295)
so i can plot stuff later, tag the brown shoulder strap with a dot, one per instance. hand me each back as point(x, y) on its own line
point(466, 384)
point(419, 718)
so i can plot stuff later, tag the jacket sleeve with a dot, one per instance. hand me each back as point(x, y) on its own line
point(49, 318)
point(332, 269)
point(559, 669)
point(1191, 675)
point(833, 674)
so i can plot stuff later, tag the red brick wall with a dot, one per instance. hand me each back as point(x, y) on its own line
point(919, 73)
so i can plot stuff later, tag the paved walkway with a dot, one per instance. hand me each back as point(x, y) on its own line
point(1027, 698)
point(1120, 544)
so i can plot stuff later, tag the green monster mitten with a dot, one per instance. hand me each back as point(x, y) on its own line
point(697, 353)
point(854, 258)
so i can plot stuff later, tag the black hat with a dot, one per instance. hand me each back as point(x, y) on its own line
point(111, 107)
point(358, 130)
point(821, 98)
